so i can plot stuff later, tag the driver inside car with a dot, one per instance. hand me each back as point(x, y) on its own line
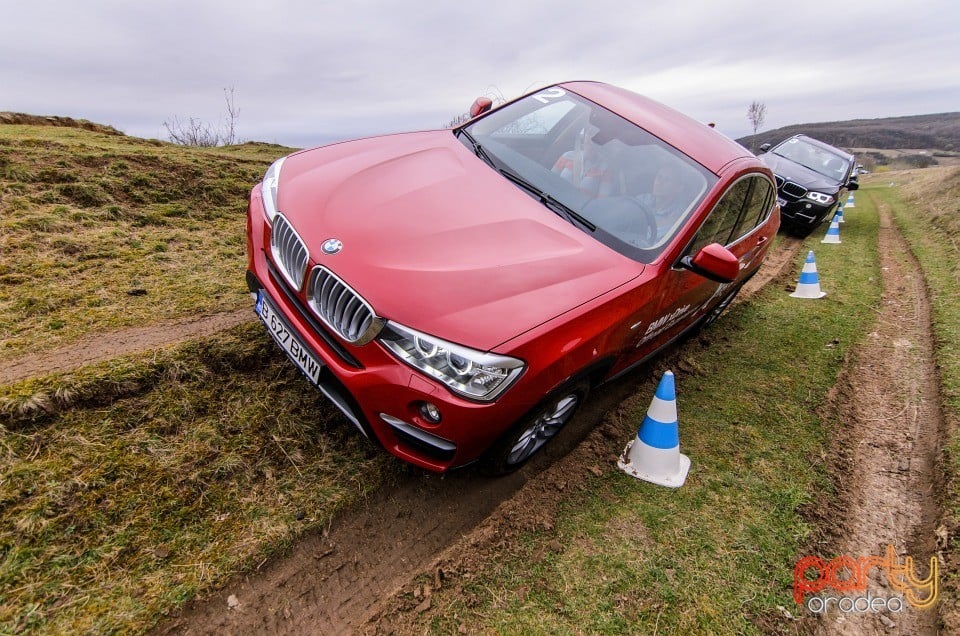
point(666, 200)
point(586, 166)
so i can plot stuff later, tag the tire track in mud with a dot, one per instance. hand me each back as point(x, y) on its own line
point(891, 432)
point(107, 346)
point(337, 581)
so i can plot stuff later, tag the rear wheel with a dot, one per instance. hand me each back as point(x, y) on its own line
point(526, 439)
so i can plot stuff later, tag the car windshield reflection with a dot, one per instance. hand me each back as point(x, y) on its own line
point(637, 190)
point(821, 161)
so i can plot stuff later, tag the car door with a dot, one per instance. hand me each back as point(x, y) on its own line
point(732, 222)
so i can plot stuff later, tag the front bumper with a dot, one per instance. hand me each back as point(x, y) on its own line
point(803, 213)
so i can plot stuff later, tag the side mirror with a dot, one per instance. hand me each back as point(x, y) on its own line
point(764, 147)
point(853, 184)
point(714, 262)
point(480, 106)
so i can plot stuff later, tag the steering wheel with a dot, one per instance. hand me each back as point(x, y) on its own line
point(642, 222)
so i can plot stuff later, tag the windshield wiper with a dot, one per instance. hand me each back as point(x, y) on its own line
point(552, 204)
point(477, 148)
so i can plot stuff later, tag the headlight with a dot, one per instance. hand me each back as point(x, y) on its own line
point(473, 374)
point(268, 189)
point(820, 197)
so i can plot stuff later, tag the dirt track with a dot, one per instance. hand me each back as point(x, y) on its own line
point(887, 448)
point(344, 580)
point(106, 346)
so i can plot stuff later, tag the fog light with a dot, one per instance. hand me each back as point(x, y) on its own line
point(430, 412)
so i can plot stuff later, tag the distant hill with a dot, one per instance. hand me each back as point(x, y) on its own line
point(69, 122)
point(934, 132)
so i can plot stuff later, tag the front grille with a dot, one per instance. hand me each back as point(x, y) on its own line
point(341, 308)
point(794, 190)
point(289, 252)
point(322, 331)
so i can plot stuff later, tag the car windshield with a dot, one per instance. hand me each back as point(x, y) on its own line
point(624, 186)
point(820, 160)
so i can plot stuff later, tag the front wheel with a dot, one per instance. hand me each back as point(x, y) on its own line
point(525, 439)
point(721, 307)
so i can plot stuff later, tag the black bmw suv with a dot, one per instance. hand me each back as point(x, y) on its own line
point(811, 178)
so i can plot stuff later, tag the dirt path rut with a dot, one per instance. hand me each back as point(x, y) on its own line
point(889, 407)
point(113, 344)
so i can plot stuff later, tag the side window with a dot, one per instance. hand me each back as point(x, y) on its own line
point(723, 218)
point(758, 204)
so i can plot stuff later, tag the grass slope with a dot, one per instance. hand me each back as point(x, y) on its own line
point(200, 461)
point(101, 231)
point(112, 516)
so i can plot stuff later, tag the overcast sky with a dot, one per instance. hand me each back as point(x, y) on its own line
point(310, 72)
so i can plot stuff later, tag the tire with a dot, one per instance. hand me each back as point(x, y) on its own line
point(715, 313)
point(528, 437)
point(721, 307)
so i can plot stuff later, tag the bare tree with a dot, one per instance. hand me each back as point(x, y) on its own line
point(233, 114)
point(196, 132)
point(191, 132)
point(756, 113)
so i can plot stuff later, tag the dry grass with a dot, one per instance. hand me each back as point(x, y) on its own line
point(111, 516)
point(103, 231)
point(133, 485)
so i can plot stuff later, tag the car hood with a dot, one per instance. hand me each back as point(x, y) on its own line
point(435, 239)
point(792, 171)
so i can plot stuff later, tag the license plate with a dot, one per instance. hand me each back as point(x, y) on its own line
point(288, 340)
point(781, 202)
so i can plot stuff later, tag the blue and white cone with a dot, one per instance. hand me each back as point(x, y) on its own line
point(833, 234)
point(850, 201)
point(840, 213)
point(809, 283)
point(654, 455)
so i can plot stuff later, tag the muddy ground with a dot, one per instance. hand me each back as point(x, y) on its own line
point(107, 346)
point(349, 577)
point(887, 450)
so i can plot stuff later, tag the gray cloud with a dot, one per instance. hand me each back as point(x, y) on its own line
point(311, 72)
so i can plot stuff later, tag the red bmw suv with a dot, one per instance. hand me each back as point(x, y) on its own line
point(456, 293)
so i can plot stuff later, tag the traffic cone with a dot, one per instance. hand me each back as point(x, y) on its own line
point(809, 284)
point(833, 234)
point(850, 201)
point(654, 455)
point(840, 213)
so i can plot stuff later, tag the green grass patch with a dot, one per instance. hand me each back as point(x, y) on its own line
point(717, 555)
point(220, 456)
point(85, 217)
